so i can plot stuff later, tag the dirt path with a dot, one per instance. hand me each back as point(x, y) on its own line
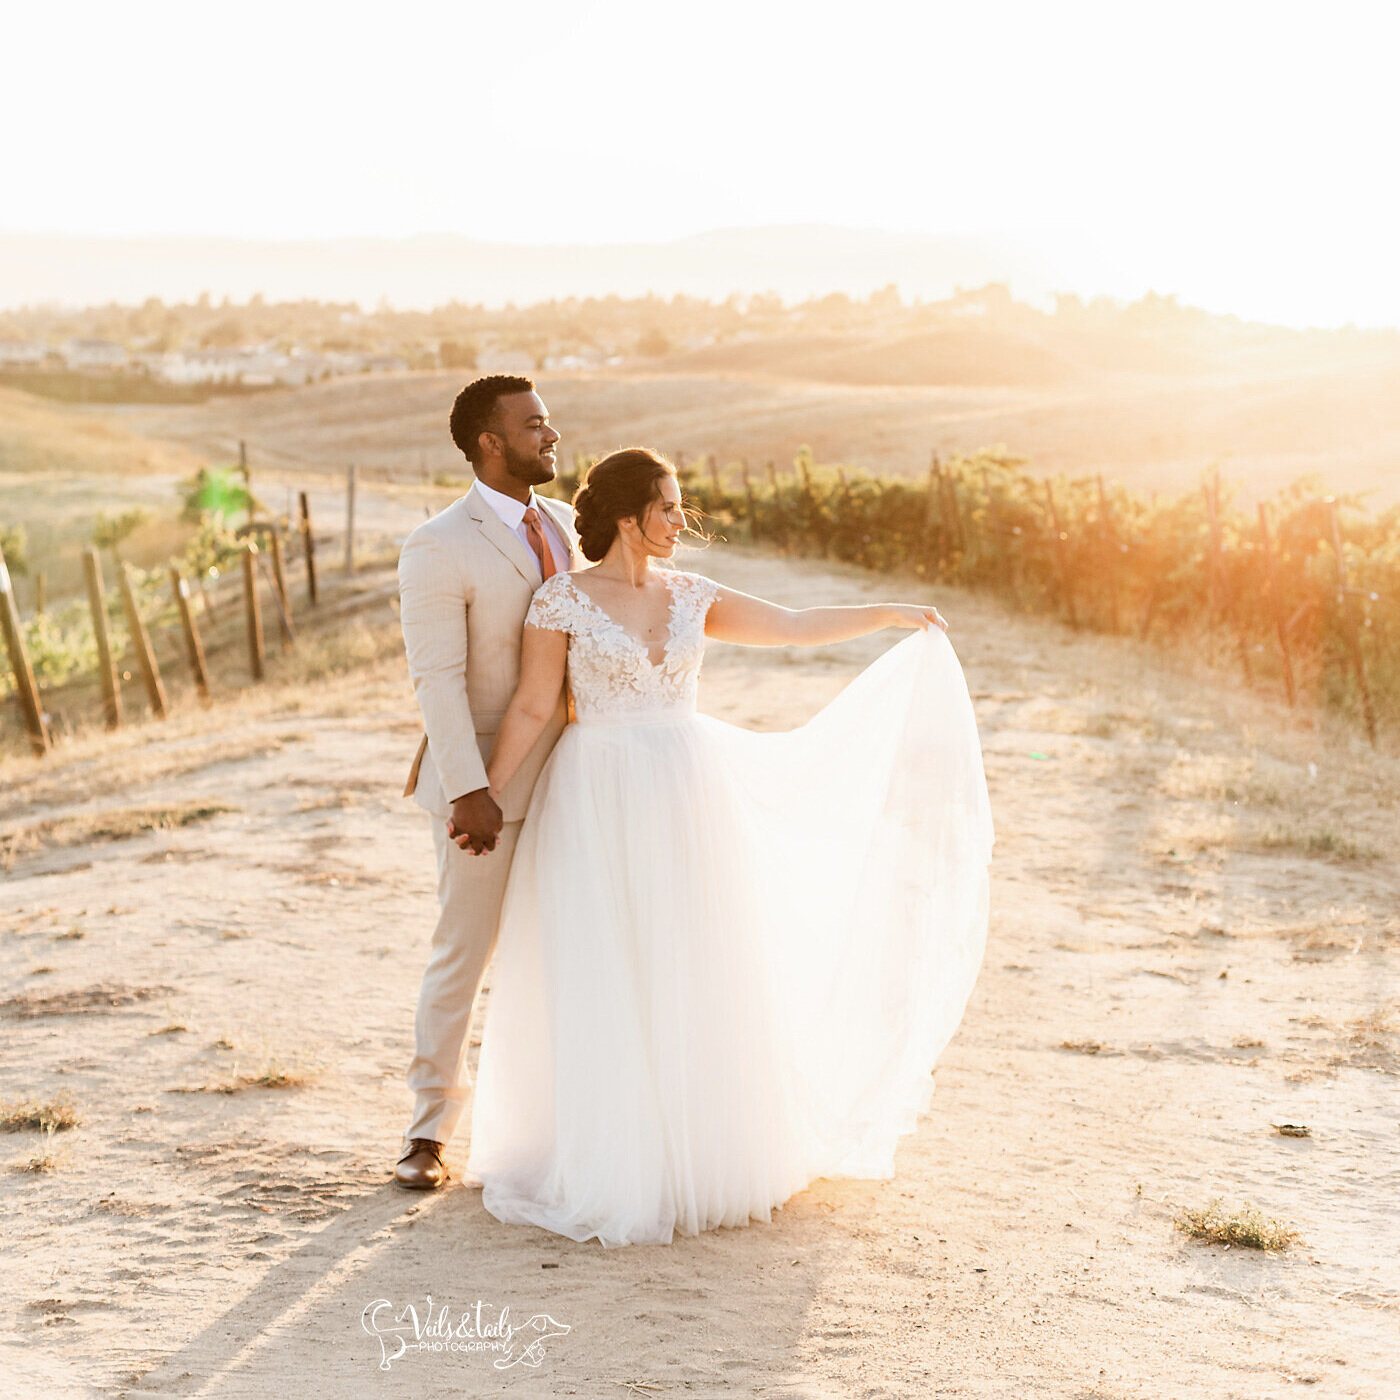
point(1173, 885)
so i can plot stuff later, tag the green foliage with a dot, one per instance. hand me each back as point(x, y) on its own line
point(60, 644)
point(1120, 562)
point(212, 547)
point(215, 491)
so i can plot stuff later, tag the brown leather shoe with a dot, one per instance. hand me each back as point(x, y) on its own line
point(421, 1168)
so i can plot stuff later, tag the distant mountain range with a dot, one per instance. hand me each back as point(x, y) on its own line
point(432, 269)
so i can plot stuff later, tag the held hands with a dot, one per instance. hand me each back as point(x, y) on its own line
point(476, 821)
point(915, 615)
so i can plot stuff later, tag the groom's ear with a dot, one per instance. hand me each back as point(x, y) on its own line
point(489, 444)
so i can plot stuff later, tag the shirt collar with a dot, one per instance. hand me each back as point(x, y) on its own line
point(511, 511)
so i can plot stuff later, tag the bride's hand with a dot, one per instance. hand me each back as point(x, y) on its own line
point(914, 615)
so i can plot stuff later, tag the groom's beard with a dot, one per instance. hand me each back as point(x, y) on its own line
point(530, 469)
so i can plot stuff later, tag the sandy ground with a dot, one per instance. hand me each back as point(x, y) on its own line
point(1178, 893)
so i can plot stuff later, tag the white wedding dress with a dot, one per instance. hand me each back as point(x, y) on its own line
point(727, 961)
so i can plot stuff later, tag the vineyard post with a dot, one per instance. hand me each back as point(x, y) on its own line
point(141, 643)
point(350, 519)
point(194, 648)
point(1109, 543)
point(680, 463)
point(1215, 578)
point(1349, 629)
point(993, 519)
point(959, 533)
point(308, 546)
point(1061, 544)
point(252, 610)
point(1213, 516)
point(284, 617)
point(714, 472)
point(933, 501)
point(779, 514)
point(748, 494)
point(19, 663)
point(106, 663)
point(41, 593)
point(279, 584)
point(1276, 604)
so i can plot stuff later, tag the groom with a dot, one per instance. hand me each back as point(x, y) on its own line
point(466, 577)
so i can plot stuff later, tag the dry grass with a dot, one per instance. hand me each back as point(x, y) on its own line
point(1083, 1047)
point(272, 1072)
point(1319, 842)
point(97, 762)
point(114, 824)
point(47, 1159)
point(103, 996)
point(54, 1115)
point(1247, 1227)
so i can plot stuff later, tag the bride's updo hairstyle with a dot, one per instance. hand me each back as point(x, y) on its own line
point(618, 487)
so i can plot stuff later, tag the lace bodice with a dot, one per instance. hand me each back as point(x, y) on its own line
point(611, 674)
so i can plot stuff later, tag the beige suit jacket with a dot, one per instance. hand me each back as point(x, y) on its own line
point(465, 584)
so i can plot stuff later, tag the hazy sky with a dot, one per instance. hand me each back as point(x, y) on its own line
point(1241, 155)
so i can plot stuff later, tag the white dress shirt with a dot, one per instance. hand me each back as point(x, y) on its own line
point(512, 513)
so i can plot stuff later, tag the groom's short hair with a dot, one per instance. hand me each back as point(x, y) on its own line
point(476, 407)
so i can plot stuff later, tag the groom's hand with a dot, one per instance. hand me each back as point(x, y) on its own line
point(476, 822)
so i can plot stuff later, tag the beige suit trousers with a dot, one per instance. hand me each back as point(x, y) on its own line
point(470, 891)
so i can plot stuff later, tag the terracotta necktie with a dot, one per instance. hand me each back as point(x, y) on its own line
point(543, 553)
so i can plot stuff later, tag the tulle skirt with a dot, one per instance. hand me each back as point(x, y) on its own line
point(727, 962)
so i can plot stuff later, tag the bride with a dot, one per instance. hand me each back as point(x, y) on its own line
point(727, 962)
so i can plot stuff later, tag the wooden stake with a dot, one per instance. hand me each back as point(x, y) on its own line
point(308, 546)
point(953, 512)
point(1276, 604)
point(714, 470)
point(194, 648)
point(279, 584)
point(19, 663)
point(350, 519)
point(1109, 542)
point(1213, 516)
point(106, 663)
point(1349, 629)
point(252, 610)
point(934, 502)
point(779, 512)
point(1061, 552)
point(141, 643)
point(284, 618)
point(41, 593)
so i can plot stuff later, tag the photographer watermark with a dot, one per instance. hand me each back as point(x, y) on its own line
point(402, 1331)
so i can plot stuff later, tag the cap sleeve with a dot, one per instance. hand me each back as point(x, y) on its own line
point(698, 593)
point(551, 609)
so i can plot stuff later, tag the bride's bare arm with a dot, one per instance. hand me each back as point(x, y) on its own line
point(749, 621)
point(542, 657)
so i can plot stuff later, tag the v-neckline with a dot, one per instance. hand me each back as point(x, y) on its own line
point(635, 640)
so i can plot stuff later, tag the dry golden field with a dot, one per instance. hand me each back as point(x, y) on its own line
point(1265, 420)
